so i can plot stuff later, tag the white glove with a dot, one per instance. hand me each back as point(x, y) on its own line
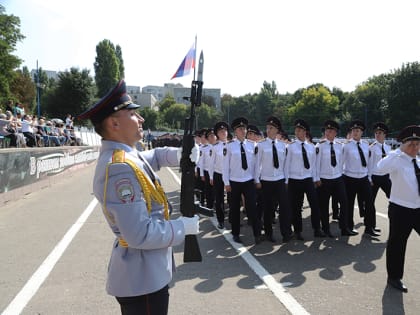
point(191, 225)
point(194, 155)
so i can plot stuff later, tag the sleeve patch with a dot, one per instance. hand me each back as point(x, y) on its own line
point(224, 151)
point(256, 150)
point(125, 190)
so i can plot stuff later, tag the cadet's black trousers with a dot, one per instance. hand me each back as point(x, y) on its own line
point(360, 187)
point(219, 196)
point(276, 191)
point(249, 191)
point(336, 189)
point(155, 303)
point(297, 188)
point(401, 221)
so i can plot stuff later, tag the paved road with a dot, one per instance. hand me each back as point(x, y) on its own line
point(55, 246)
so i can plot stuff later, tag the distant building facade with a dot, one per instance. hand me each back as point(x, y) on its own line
point(178, 91)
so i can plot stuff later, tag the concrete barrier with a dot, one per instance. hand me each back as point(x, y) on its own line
point(24, 170)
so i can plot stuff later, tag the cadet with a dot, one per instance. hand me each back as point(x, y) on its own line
point(403, 167)
point(216, 170)
point(207, 160)
point(238, 176)
point(135, 206)
point(199, 166)
point(355, 170)
point(300, 173)
point(378, 150)
point(329, 166)
point(269, 176)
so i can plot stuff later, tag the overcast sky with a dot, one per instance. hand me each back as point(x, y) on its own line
point(294, 43)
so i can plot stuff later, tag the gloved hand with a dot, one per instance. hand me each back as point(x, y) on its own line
point(194, 155)
point(191, 225)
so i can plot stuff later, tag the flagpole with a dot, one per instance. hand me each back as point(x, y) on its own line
point(195, 55)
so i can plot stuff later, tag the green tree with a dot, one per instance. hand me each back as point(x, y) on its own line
point(118, 53)
point(315, 105)
point(150, 118)
point(174, 116)
point(404, 97)
point(166, 102)
point(207, 116)
point(23, 88)
point(9, 36)
point(107, 67)
point(73, 94)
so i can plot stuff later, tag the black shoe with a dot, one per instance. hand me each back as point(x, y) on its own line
point(372, 233)
point(347, 232)
point(257, 239)
point(237, 239)
point(319, 233)
point(221, 225)
point(270, 238)
point(377, 230)
point(329, 234)
point(299, 236)
point(287, 238)
point(397, 284)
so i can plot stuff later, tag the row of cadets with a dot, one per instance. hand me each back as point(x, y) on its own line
point(221, 130)
point(238, 177)
point(329, 179)
point(270, 180)
point(300, 174)
point(355, 174)
point(205, 165)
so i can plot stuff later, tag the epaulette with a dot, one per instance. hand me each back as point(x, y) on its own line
point(230, 141)
point(205, 145)
point(322, 141)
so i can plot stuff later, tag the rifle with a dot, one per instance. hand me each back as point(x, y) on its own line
point(188, 206)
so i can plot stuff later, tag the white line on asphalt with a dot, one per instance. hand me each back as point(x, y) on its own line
point(33, 284)
point(275, 287)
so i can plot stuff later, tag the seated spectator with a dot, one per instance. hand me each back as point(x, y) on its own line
point(53, 135)
point(11, 131)
point(28, 131)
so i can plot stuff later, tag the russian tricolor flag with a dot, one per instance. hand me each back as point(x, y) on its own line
point(187, 64)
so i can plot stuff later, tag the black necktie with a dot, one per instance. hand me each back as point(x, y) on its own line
point(417, 172)
point(305, 157)
point(243, 157)
point(383, 151)
point(362, 156)
point(333, 159)
point(275, 156)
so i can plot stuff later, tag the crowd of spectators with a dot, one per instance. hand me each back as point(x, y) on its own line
point(18, 129)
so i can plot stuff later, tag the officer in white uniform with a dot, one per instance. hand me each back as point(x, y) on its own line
point(135, 206)
point(269, 176)
point(329, 178)
point(403, 167)
point(355, 170)
point(378, 150)
point(300, 173)
point(221, 129)
point(238, 176)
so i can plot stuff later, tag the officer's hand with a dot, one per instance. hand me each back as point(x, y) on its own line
point(258, 185)
point(191, 225)
point(318, 183)
point(195, 153)
point(228, 188)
